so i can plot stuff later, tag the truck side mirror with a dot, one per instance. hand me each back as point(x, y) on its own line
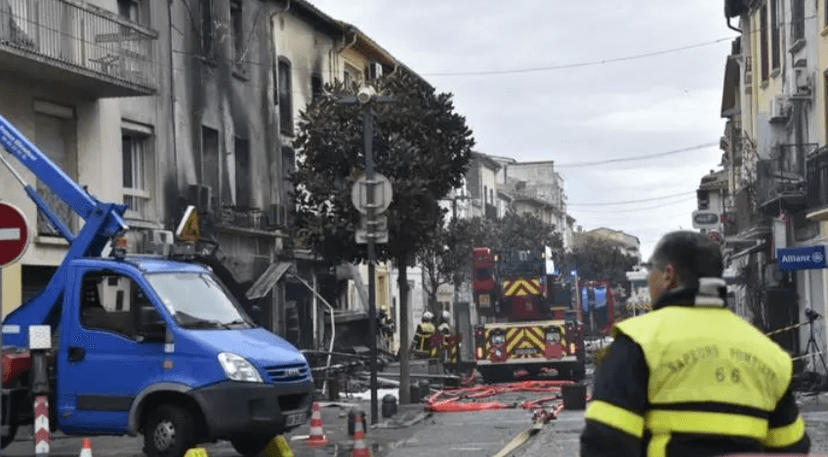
point(151, 327)
point(154, 332)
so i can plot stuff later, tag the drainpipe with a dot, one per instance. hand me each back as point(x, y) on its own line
point(731, 27)
point(172, 109)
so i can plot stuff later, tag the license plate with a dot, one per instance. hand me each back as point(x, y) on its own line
point(484, 300)
point(295, 419)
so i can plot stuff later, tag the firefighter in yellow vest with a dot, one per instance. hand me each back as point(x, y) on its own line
point(421, 347)
point(444, 330)
point(691, 377)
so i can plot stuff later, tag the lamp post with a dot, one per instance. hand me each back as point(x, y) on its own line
point(366, 97)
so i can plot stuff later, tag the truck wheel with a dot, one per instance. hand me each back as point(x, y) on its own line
point(250, 447)
point(168, 432)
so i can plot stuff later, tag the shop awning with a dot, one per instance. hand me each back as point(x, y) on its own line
point(268, 279)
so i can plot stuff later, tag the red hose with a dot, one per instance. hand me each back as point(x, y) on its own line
point(452, 402)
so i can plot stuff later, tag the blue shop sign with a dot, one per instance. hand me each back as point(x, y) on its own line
point(801, 258)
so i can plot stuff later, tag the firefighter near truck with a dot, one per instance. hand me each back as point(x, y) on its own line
point(527, 324)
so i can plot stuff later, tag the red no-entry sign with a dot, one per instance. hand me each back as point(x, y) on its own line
point(14, 234)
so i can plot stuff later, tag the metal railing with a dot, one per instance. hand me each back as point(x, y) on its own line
point(75, 35)
point(784, 173)
point(816, 172)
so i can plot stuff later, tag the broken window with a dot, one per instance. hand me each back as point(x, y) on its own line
point(242, 173)
point(763, 27)
point(207, 33)
point(285, 101)
point(210, 159)
point(316, 85)
point(237, 23)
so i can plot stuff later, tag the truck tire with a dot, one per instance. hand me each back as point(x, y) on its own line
point(250, 446)
point(168, 432)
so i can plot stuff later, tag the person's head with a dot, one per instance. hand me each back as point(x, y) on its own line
point(680, 259)
point(427, 316)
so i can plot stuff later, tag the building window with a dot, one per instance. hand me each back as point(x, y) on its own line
point(136, 162)
point(237, 23)
point(285, 102)
point(774, 35)
point(316, 85)
point(763, 27)
point(131, 10)
point(242, 153)
point(797, 20)
point(207, 32)
point(210, 162)
point(352, 76)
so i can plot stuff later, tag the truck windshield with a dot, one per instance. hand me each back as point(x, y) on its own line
point(198, 300)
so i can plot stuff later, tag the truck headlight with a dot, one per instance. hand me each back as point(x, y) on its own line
point(237, 368)
point(497, 339)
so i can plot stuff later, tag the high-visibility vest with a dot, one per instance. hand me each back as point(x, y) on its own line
point(710, 358)
point(422, 346)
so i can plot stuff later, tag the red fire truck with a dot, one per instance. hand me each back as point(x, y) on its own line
point(526, 322)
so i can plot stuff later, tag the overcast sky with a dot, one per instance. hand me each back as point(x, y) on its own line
point(583, 113)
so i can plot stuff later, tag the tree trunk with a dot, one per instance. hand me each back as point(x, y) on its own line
point(402, 280)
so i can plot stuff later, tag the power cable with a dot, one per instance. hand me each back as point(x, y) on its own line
point(624, 202)
point(633, 158)
point(610, 211)
point(582, 64)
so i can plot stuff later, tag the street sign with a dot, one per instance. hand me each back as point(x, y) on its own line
point(380, 224)
point(379, 237)
point(801, 258)
point(14, 234)
point(382, 194)
point(705, 219)
point(188, 227)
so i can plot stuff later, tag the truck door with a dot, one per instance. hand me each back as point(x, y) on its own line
point(102, 364)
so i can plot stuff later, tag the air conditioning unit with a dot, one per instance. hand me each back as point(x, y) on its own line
point(199, 196)
point(374, 70)
point(158, 242)
point(778, 108)
point(802, 84)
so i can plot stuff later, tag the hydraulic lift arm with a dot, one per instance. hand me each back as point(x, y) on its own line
point(102, 222)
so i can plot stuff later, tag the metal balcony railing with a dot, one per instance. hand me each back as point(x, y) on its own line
point(78, 37)
point(816, 168)
point(783, 175)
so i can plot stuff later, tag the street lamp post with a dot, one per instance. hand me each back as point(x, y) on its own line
point(366, 98)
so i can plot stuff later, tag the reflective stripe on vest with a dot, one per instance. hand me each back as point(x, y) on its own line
point(615, 417)
point(787, 435)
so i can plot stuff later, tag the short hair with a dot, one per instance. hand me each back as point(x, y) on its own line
point(692, 254)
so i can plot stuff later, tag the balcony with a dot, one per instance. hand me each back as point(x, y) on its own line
point(781, 179)
point(816, 171)
point(82, 48)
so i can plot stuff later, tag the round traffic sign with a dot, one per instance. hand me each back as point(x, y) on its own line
point(382, 194)
point(14, 234)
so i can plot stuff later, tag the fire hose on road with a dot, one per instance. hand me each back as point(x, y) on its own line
point(544, 410)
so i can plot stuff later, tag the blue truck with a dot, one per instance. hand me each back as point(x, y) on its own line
point(151, 345)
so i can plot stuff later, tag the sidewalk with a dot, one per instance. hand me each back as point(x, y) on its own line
point(380, 437)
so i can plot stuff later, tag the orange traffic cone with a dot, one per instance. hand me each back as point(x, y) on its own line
point(317, 436)
point(86, 450)
point(360, 450)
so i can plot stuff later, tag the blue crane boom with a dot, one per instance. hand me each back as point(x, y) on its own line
point(103, 221)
